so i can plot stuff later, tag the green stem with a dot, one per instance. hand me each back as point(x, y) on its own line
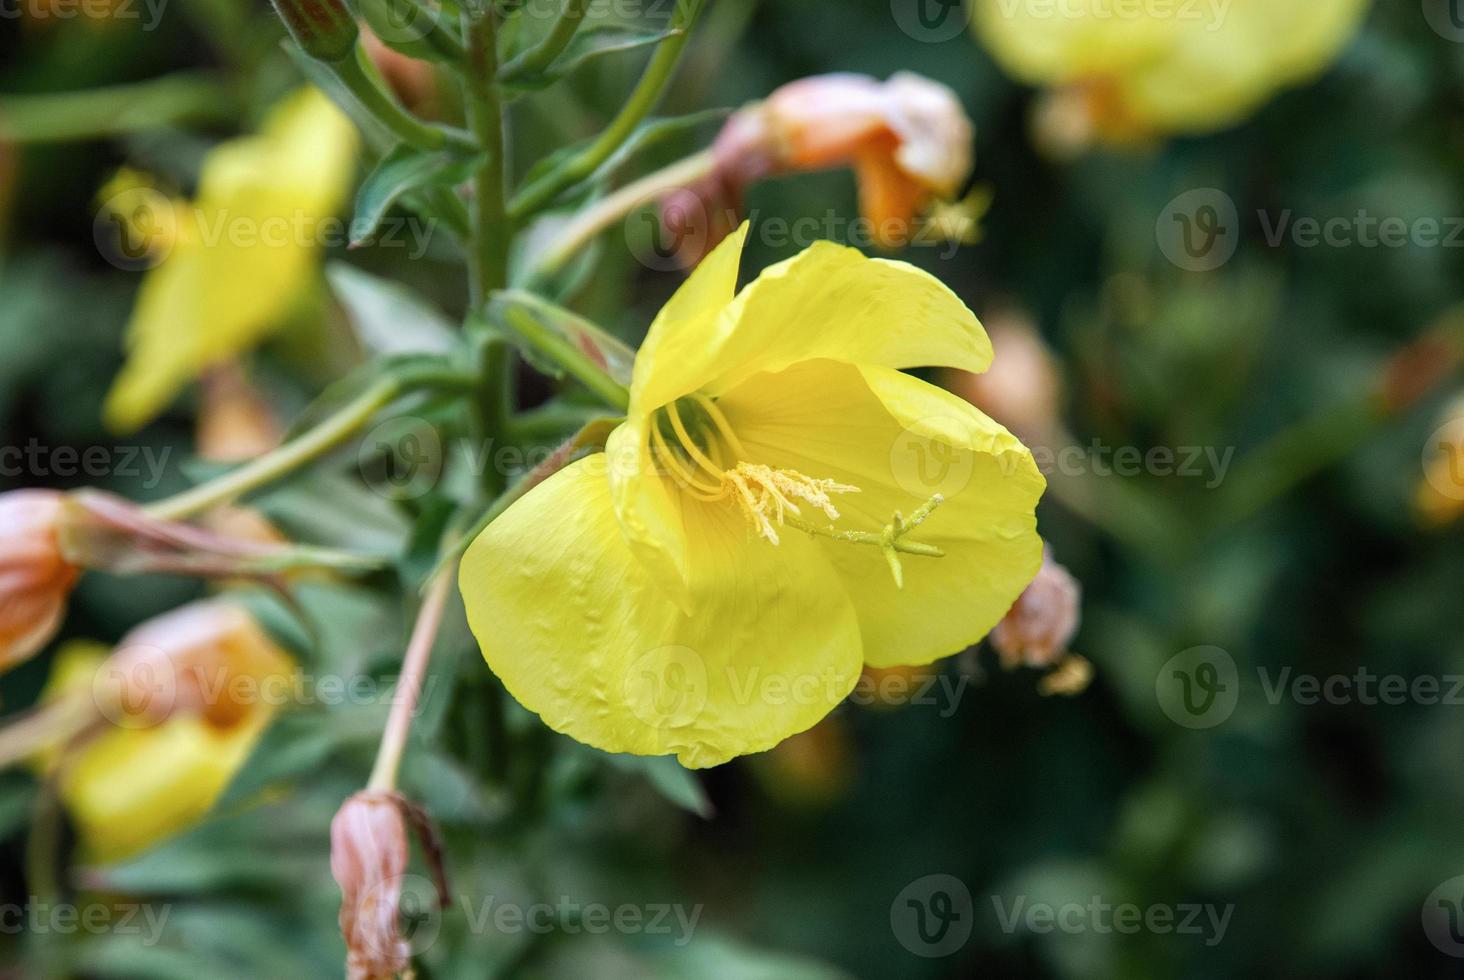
point(643, 98)
point(538, 58)
point(172, 100)
point(568, 356)
point(590, 222)
point(287, 458)
point(488, 259)
point(359, 76)
point(409, 685)
point(489, 262)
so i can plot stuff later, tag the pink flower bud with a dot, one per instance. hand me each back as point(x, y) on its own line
point(35, 579)
point(368, 858)
point(1037, 629)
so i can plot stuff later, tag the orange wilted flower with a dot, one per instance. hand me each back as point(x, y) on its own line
point(907, 139)
point(35, 579)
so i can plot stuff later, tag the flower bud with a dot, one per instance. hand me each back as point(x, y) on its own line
point(1021, 390)
point(1037, 629)
point(207, 658)
point(368, 858)
point(35, 578)
point(324, 29)
point(414, 81)
point(908, 140)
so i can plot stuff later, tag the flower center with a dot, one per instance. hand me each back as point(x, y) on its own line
point(695, 456)
point(692, 439)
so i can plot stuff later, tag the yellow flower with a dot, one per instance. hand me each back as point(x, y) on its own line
point(1137, 70)
point(716, 580)
point(146, 775)
point(236, 259)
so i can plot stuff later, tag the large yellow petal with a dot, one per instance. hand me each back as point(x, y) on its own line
point(829, 301)
point(901, 441)
point(649, 508)
point(581, 633)
point(662, 364)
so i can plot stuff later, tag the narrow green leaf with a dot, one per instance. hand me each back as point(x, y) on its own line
point(405, 169)
point(588, 44)
point(388, 317)
point(610, 354)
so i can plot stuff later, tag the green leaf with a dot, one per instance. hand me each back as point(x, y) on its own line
point(404, 169)
point(388, 317)
point(298, 743)
point(588, 44)
point(669, 778)
point(17, 794)
point(611, 354)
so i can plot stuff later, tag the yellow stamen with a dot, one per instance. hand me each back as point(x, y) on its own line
point(769, 497)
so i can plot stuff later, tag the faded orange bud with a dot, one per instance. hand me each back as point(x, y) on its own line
point(1021, 390)
point(207, 658)
point(35, 579)
point(368, 858)
point(235, 422)
point(1037, 629)
point(907, 139)
point(413, 81)
point(1068, 121)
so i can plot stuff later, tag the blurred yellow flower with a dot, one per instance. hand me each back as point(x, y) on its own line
point(716, 580)
point(145, 775)
point(1128, 71)
point(235, 260)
